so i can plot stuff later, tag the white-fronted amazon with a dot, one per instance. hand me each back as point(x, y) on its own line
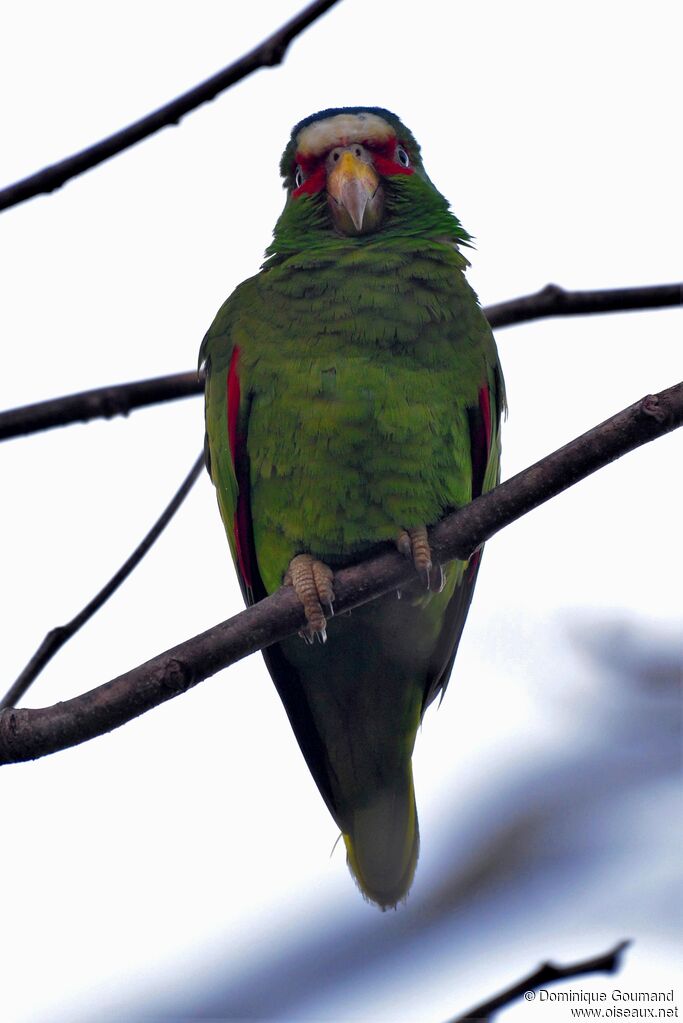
point(353, 397)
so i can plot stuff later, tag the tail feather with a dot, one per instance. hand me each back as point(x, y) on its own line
point(382, 843)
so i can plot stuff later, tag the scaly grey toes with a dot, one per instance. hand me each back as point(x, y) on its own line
point(413, 543)
point(312, 582)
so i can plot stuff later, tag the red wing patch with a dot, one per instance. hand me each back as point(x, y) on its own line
point(485, 409)
point(233, 401)
point(237, 441)
point(480, 439)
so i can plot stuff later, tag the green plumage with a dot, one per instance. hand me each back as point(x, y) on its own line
point(362, 362)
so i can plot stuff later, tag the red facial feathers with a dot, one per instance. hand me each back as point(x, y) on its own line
point(384, 158)
point(313, 167)
point(315, 181)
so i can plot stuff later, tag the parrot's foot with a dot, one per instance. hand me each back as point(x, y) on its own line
point(414, 544)
point(312, 582)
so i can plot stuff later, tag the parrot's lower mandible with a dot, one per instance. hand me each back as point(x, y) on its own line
point(354, 397)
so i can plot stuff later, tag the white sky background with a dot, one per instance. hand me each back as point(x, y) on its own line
point(183, 841)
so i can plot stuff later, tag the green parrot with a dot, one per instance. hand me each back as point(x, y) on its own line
point(353, 398)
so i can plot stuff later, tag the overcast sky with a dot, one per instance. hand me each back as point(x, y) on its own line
point(193, 840)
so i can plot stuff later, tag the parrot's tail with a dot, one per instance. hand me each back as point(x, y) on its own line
point(383, 842)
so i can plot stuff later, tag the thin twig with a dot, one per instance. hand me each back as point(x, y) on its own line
point(548, 973)
point(57, 637)
point(267, 54)
point(26, 734)
point(120, 399)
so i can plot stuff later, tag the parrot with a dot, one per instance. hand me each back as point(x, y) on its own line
point(354, 397)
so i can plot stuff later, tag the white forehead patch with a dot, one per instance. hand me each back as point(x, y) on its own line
point(315, 139)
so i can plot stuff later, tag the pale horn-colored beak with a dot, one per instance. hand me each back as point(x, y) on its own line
point(355, 194)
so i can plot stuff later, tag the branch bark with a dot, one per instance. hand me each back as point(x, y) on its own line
point(548, 973)
point(120, 399)
point(267, 54)
point(29, 733)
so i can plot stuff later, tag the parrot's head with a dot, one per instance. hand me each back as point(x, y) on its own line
point(353, 173)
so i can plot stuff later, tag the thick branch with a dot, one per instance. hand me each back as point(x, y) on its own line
point(120, 399)
point(57, 637)
point(26, 733)
point(267, 54)
point(548, 973)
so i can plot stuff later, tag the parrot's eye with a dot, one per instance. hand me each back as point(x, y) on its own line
point(402, 156)
point(298, 177)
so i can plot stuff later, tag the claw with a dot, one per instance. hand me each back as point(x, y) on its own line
point(403, 544)
point(312, 582)
point(437, 579)
point(322, 577)
point(420, 549)
point(414, 544)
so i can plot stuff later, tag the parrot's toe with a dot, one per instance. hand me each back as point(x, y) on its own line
point(312, 582)
point(414, 544)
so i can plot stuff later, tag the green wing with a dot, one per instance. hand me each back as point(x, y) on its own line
point(227, 414)
point(484, 422)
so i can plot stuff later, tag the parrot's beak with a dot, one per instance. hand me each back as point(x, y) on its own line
point(355, 195)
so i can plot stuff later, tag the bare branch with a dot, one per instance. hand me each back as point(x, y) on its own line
point(60, 635)
point(120, 399)
point(548, 973)
point(555, 301)
point(267, 54)
point(100, 403)
point(27, 733)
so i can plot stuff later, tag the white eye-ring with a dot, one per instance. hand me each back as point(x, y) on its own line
point(298, 177)
point(402, 156)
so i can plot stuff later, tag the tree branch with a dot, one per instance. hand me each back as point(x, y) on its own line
point(28, 733)
point(120, 399)
point(548, 973)
point(267, 54)
point(100, 403)
point(555, 301)
point(60, 635)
